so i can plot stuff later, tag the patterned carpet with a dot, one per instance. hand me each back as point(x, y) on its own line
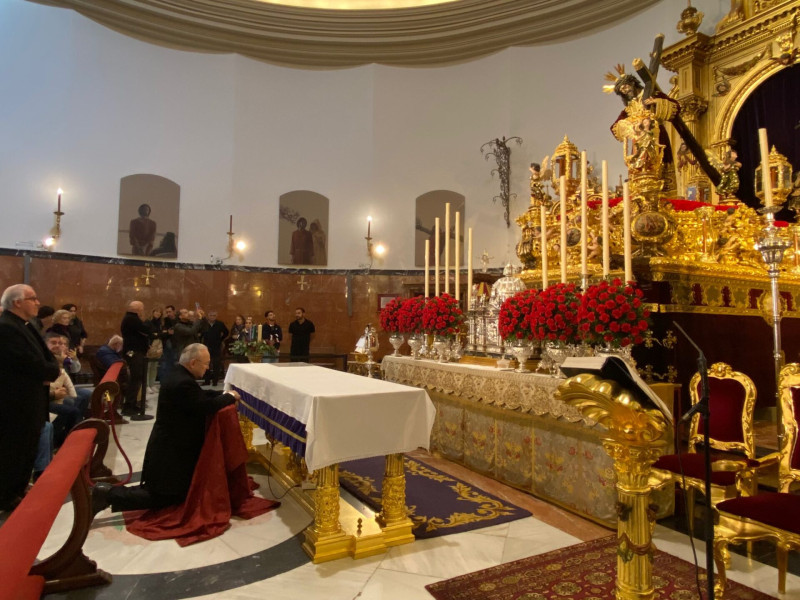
point(438, 503)
point(582, 572)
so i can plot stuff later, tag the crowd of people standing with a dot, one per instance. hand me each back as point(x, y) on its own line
point(39, 359)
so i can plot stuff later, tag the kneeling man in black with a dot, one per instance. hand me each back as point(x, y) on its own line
point(176, 440)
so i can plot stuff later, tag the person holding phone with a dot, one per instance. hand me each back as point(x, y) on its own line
point(185, 331)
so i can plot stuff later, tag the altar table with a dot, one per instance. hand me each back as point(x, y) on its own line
point(508, 426)
point(325, 417)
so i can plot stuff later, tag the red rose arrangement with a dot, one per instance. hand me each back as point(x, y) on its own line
point(517, 315)
point(409, 315)
point(389, 315)
point(613, 313)
point(555, 316)
point(442, 315)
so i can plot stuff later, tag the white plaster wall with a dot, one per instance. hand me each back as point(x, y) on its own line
point(83, 106)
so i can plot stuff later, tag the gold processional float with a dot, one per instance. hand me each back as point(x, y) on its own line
point(712, 256)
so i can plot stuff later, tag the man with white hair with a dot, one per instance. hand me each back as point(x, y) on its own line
point(26, 368)
point(176, 440)
point(110, 353)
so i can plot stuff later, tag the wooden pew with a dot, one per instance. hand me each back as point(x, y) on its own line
point(25, 530)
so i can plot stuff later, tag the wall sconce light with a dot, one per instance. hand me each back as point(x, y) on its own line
point(55, 233)
point(373, 250)
point(235, 247)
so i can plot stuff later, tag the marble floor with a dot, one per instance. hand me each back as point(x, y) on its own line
point(262, 558)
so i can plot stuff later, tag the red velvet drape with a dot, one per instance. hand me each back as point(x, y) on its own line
point(220, 488)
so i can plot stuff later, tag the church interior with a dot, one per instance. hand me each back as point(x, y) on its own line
point(348, 156)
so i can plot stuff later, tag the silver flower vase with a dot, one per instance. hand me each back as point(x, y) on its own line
point(396, 340)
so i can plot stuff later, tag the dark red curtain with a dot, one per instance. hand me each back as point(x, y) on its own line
point(775, 105)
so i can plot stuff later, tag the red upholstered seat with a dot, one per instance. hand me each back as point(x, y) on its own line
point(778, 510)
point(773, 516)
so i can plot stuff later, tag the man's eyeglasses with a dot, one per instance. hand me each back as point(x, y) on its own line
point(34, 298)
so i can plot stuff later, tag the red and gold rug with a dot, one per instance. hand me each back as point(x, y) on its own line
point(582, 572)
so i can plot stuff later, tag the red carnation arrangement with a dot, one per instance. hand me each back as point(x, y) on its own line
point(389, 315)
point(409, 315)
point(517, 315)
point(613, 313)
point(555, 316)
point(442, 315)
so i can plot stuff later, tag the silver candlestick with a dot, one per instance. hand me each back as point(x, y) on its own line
point(772, 246)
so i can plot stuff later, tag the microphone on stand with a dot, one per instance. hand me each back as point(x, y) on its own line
point(702, 408)
point(702, 368)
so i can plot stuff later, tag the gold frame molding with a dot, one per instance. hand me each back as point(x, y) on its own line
point(317, 38)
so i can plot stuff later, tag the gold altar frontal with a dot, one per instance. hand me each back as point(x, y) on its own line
point(339, 528)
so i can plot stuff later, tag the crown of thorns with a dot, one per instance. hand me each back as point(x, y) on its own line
point(618, 79)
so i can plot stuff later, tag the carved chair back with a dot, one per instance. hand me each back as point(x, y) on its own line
point(732, 400)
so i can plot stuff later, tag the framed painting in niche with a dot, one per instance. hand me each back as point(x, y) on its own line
point(149, 209)
point(384, 299)
point(429, 206)
point(303, 229)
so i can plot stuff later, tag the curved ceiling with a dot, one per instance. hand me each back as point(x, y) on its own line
point(428, 35)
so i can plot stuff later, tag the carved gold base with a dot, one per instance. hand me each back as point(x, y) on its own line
point(339, 529)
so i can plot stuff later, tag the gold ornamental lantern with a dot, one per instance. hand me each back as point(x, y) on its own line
point(780, 171)
point(566, 160)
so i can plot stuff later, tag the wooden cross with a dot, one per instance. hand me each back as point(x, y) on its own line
point(648, 77)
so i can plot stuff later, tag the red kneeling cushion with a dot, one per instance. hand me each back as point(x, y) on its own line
point(771, 508)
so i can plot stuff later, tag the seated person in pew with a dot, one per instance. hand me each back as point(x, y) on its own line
point(71, 364)
point(110, 353)
point(176, 440)
point(64, 402)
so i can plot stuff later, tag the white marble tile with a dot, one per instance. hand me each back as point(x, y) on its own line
point(495, 530)
point(394, 585)
point(247, 537)
point(446, 556)
point(529, 537)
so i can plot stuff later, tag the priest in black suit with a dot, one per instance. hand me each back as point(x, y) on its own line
point(26, 368)
point(176, 440)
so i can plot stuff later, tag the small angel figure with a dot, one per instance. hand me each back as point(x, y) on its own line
point(728, 169)
point(540, 173)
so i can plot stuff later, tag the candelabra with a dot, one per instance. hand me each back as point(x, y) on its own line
point(772, 246)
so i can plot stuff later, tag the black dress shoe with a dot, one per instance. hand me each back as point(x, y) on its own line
point(100, 493)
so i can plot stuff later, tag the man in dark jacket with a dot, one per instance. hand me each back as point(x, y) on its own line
point(176, 440)
point(213, 338)
point(26, 368)
point(135, 342)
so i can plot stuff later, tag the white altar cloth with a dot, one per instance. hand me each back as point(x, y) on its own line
point(347, 416)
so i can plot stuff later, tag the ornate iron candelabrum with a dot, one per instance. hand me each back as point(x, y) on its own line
point(772, 246)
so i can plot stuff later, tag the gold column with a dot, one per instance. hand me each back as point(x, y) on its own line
point(247, 427)
point(325, 540)
point(636, 438)
point(393, 519)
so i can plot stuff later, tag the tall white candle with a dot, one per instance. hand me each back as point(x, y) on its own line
point(427, 268)
point(606, 231)
point(436, 258)
point(543, 244)
point(447, 248)
point(563, 196)
point(765, 172)
point(469, 266)
point(626, 229)
point(258, 333)
point(584, 214)
point(457, 256)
